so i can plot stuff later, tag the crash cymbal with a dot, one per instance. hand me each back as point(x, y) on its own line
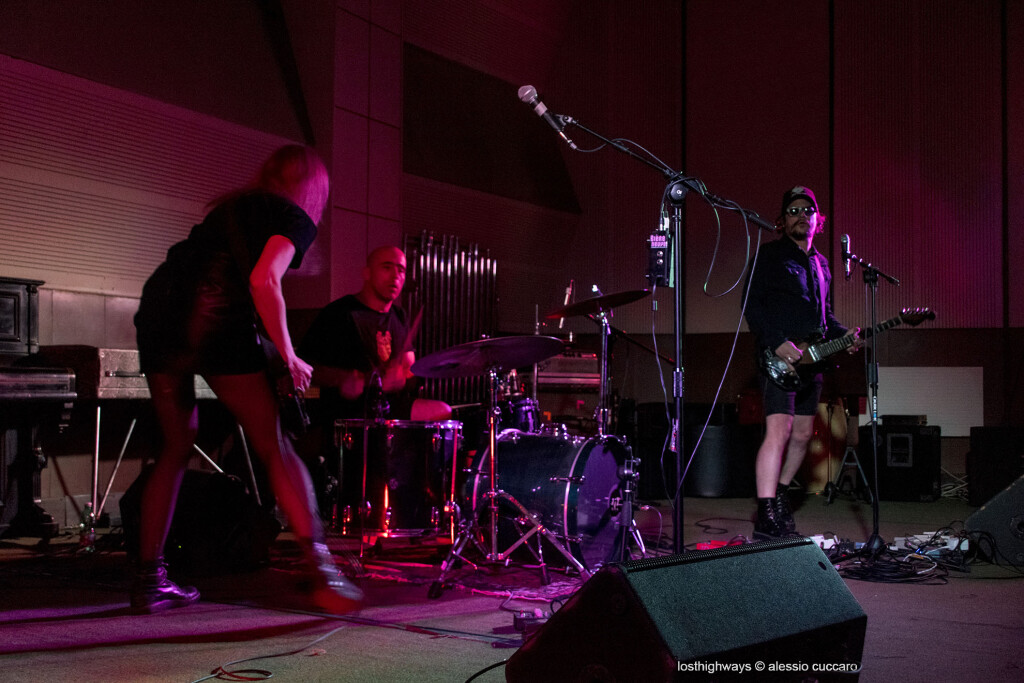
point(599, 304)
point(480, 357)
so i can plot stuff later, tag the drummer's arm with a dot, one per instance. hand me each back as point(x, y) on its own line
point(398, 372)
point(349, 383)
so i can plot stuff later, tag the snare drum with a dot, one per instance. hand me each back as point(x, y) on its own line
point(571, 483)
point(395, 475)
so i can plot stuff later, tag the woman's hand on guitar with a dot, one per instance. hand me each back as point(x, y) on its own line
point(301, 372)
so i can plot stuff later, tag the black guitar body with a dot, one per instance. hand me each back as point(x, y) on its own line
point(781, 373)
point(788, 378)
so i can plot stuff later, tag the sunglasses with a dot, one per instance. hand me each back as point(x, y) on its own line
point(807, 210)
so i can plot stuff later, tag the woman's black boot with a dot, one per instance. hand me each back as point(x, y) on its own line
point(329, 588)
point(153, 592)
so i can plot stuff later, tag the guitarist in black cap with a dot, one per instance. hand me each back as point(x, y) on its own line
point(787, 303)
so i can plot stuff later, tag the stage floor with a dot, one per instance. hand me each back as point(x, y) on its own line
point(65, 613)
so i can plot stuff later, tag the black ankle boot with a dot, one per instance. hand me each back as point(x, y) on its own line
point(784, 511)
point(153, 592)
point(329, 588)
point(767, 526)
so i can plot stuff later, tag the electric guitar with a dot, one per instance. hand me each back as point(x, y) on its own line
point(291, 404)
point(787, 377)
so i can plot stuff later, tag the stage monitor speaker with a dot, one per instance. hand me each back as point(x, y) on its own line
point(780, 603)
point(996, 458)
point(909, 459)
point(217, 528)
point(998, 526)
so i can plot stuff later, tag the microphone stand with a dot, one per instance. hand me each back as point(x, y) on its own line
point(875, 543)
point(678, 186)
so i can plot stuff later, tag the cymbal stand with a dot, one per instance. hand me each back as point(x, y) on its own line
point(603, 410)
point(628, 472)
point(470, 530)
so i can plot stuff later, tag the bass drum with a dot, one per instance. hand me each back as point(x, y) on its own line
point(568, 482)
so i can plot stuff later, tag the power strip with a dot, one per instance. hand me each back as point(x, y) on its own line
point(915, 542)
point(822, 542)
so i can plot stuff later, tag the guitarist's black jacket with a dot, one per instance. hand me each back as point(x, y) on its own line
point(783, 300)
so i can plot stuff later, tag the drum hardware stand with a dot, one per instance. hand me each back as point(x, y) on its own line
point(601, 413)
point(468, 531)
point(629, 475)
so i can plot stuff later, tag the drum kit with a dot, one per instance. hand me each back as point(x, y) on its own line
point(532, 486)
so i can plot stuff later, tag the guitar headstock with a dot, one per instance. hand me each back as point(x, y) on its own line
point(916, 316)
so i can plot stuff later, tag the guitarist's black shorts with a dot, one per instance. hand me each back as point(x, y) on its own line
point(802, 402)
point(196, 319)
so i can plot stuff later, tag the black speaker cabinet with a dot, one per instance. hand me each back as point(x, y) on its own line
point(723, 466)
point(998, 526)
point(996, 458)
point(669, 618)
point(909, 461)
point(217, 527)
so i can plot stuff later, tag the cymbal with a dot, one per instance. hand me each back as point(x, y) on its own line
point(480, 357)
point(599, 304)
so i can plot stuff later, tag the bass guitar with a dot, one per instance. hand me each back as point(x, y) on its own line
point(785, 376)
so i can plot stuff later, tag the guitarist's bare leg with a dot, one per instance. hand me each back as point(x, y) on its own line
point(174, 401)
point(769, 455)
point(796, 450)
point(787, 436)
point(252, 402)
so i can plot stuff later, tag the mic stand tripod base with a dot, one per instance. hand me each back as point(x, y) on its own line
point(873, 546)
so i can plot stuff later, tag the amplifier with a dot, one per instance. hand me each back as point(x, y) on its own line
point(570, 372)
point(995, 460)
point(105, 373)
point(909, 462)
point(903, 420)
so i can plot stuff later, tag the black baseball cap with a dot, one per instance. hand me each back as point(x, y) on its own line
point(798, 192)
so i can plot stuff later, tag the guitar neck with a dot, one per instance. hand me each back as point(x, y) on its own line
point(826, 349)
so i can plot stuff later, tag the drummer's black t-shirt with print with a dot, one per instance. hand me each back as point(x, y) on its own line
point(349, 335)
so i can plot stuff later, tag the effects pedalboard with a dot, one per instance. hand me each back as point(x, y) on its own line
point(937, 543)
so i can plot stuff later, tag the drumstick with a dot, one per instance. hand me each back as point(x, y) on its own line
point(414, 329)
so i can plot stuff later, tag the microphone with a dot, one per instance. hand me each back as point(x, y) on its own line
point(528, 94)
point(568, 297)
point(845, 241)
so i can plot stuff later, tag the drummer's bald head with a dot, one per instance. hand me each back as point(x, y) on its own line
point(386, 252)
point(383, 277)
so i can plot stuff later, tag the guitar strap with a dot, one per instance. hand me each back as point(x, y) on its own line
point(242, 259)
point(819, 275)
